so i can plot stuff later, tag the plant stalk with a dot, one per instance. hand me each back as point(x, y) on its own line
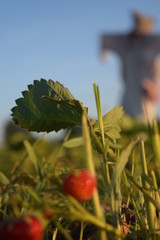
point(90, 165)
point(150, 209)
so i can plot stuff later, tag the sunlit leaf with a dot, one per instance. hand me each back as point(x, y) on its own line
point(111, 123)
point(47, 106)
point(74, 142)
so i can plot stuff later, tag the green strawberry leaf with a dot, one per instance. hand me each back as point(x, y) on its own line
point(111, 123)
point(47, 106)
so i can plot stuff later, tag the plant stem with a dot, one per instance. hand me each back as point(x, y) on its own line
point(99, 112)
point(91, 167)
point(55, 234)
point(81, 214)
point(63, 231)
point(81, 231)
point(156, 143)
point(100, 122)
point(149, 206)
point(144, 191)
point(157, 197)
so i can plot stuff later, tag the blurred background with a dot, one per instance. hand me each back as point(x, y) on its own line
point(60, 40)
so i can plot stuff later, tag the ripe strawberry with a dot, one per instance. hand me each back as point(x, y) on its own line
point(80, 185)
point(26, 228)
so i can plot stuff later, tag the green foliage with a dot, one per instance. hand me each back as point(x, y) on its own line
point(3, 179)
point(47, 106)
point(32, 181)
point(74, 142)
point(111, 123)
point(121, 163)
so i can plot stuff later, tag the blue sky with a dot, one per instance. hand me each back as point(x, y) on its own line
point(60, 40)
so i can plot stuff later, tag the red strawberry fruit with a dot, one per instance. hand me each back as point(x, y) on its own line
point(80, 185)
point(25, 228)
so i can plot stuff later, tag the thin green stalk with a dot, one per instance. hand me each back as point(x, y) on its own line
point(137, 213)
point(156, 193)
point(144, 191)
point(152, 173)
point(87, 145)
point(116, 200)
point(63, 231)
point(155, 185)
point(106, 169)
point(156, 143)
point(149, 206)
point(81, 231)
point(133, 161)
point(22, 161)
point(55, 234)
point(81, 214)
point(99, 112)
point(132, 173)
point(90, 165)
point(100, 122)
point(116, 206)
point(141, 194)
point(128, 186)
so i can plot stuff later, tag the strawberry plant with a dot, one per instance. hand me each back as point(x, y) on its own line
point(102, 184)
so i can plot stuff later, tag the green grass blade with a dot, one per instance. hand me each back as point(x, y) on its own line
point(32, 156)
point(121, 163)
point(3, 179)
point(99, 112)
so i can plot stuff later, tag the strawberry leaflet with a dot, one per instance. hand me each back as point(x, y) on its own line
point(47, 106)
point(111, 123)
